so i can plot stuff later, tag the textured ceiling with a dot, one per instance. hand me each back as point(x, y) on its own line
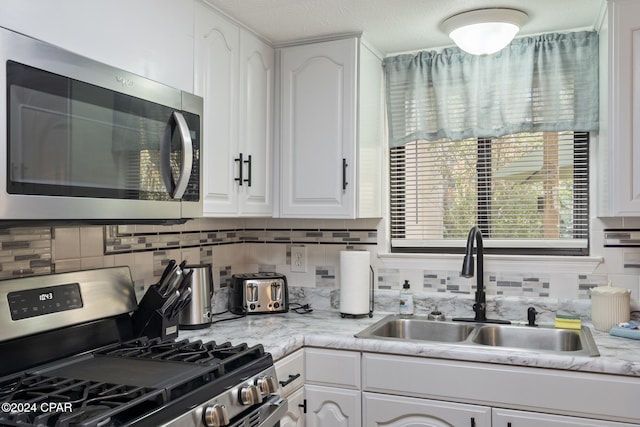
point(394, 26)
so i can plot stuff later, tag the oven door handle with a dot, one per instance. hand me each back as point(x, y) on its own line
point(277, 409)
point(177, 189)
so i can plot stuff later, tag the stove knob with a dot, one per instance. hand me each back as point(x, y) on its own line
point(267, 384)
point(216, 416)
point(250, 395)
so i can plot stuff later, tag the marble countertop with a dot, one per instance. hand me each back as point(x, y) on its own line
point(282, 334)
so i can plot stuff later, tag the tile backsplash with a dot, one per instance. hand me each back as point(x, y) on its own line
point(252, 245)
point(25, 252)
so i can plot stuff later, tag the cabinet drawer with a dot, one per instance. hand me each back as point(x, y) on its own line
point(290, 372)
point(333, 367)
point(506, 418)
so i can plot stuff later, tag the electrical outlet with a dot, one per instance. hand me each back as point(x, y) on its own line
point(299, 259)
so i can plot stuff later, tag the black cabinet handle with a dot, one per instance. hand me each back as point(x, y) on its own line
point(248, 162)
point(344, 174)
point(473, 422)
point(240, 162)
point(291, 379)
point(509, 424)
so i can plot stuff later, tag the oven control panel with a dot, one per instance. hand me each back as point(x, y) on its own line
point(38, 302)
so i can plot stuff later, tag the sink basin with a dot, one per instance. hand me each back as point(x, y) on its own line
point(417, 328)
point(539, 339)
point(546, 339)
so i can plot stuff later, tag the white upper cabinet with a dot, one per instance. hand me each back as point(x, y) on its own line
point(619, 194)
point(151, 38)
point(330, 130)
point(234, 73)
point(257, 61)
point(217, 53)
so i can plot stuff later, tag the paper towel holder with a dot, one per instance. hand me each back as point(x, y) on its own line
point(370, 314)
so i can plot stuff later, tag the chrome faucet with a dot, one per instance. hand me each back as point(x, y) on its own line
point(480, 305)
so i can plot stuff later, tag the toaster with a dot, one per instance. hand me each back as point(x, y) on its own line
point(258, 293)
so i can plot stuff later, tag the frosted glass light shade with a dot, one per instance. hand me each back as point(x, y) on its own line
point(484, 31)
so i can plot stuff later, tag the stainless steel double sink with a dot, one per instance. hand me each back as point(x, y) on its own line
point(538, 339)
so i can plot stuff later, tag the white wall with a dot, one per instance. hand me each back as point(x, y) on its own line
point(152, 38)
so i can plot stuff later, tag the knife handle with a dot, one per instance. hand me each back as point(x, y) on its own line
point(169, 302)
point(167, 270)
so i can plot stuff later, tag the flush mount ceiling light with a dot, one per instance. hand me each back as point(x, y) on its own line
point(484, 31)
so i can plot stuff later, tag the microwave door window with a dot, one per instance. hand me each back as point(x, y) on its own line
point(136, 143)
point(39, 138)
point(71, 138)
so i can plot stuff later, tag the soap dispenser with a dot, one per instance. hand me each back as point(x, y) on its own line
point(406, 299)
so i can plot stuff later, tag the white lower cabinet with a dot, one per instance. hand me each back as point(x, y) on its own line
point(509, 418)
point(351, 389)
point(568, 397)
point(397, 411)
point(333, 407)
point(295, 412)
point(332, 388)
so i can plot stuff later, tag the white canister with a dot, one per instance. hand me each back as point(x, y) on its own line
point(609, 306)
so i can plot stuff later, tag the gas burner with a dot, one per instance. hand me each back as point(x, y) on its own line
point(209, 353)
point(52, 401)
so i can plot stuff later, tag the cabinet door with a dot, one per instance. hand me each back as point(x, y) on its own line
point(217, 50)
point(332, 407)
point(624, 124)
point(256, 125)
point(295, 411)
point(395, 411)
point(318, 129)
point(508, 418)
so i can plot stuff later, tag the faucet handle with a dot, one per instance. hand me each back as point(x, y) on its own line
point(531, 316)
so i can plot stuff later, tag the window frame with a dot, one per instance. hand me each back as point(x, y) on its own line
point(536, 247)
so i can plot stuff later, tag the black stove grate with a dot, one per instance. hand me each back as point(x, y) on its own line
point(130, 389)
point(64, 402)
point(226, 356)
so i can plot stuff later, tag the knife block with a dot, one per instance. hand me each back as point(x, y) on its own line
point(148, 321)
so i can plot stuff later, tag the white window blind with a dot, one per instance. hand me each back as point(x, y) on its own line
point(526, 191)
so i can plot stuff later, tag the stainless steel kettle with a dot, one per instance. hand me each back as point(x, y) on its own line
point(197, 314)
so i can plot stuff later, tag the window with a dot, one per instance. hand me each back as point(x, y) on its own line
point(499, 141)
point(529, 187)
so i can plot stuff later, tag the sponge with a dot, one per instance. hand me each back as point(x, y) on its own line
point(567, 322)
point(630, 329)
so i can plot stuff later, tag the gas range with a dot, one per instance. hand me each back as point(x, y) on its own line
point(86, 369)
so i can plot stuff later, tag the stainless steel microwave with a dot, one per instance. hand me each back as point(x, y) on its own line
point(87, 141)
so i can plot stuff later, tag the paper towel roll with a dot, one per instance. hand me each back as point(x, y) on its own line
point(354, 282)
